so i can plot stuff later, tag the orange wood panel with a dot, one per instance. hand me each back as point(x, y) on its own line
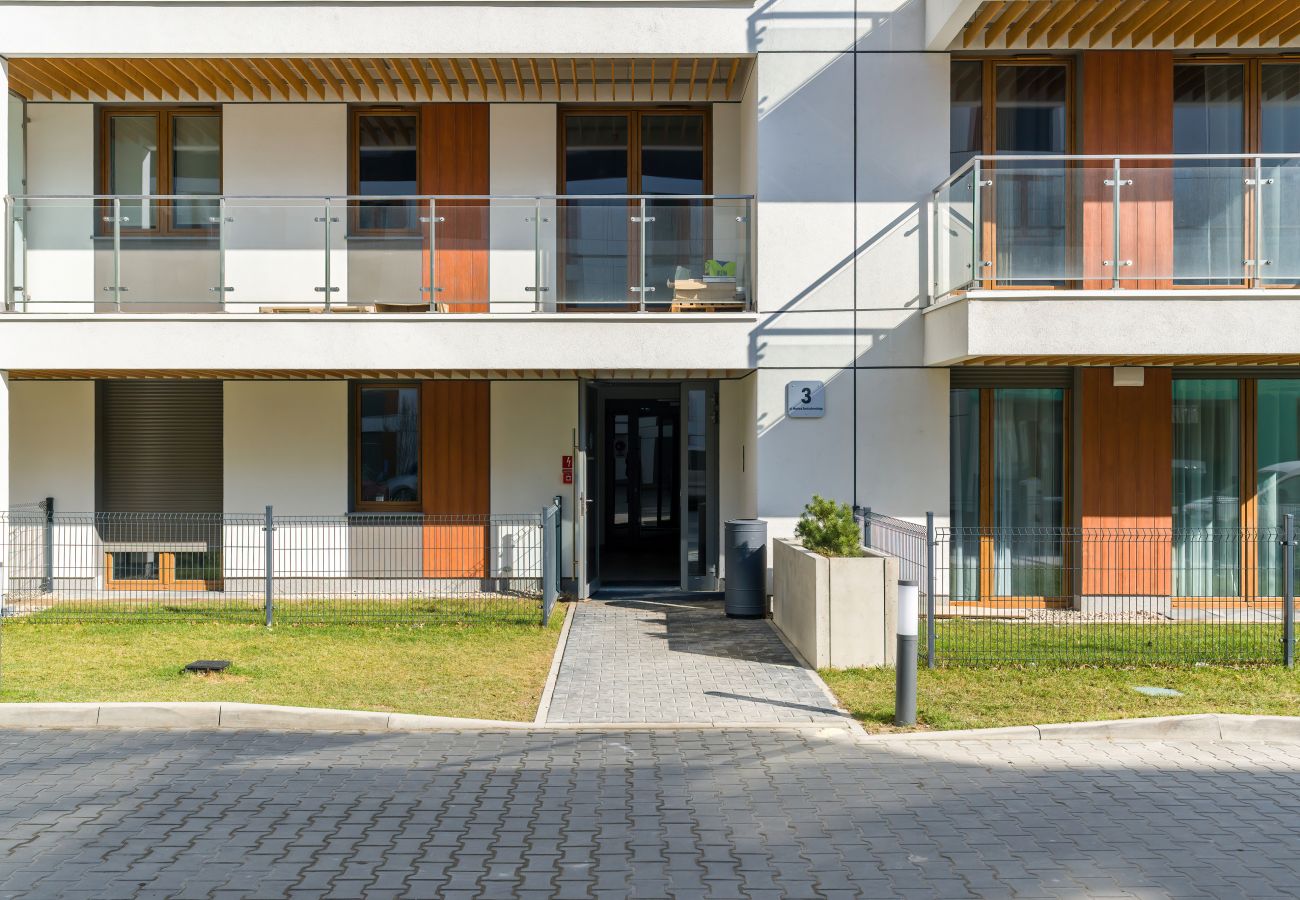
point(1127, 107)
point(1125, 482)
point(455, 476)
point(454, 160)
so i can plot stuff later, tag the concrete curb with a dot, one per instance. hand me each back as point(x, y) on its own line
point(1208, 727)
point(548, 689)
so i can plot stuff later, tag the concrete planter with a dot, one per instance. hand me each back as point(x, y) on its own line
point(836, 612)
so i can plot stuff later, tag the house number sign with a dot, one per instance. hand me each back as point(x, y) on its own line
point(805, 399)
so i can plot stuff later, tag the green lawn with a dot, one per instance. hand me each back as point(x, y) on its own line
point(992, 697)
point(984, 641)
point(493, 671)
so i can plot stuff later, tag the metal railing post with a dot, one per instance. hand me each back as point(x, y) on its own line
point(269, 550)
point(1114, 225)
point(47, 582)
point(929, 589)
point(117, 254)
point(1259, 261)
point(1288, 591)
point(978, 263)
point(549, 569)
point(329, 289)
point(11, 252)
point(221, 253)
point(537, 256)
point(642, 220)
point(433, 254)
point(559, 540)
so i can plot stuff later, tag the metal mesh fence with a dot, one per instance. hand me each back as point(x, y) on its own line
point(1097, 596)
point(364, 567)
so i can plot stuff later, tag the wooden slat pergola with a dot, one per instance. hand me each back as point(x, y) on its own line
point(1128, 24)
point(370, 80)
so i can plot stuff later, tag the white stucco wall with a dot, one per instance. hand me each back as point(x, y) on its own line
point(274, 250)
point(52, 443)
point(286, 445)
point(521, 161)
point(61, 160)
point(533, 424)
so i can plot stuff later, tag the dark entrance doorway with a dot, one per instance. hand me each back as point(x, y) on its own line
point(642, 486)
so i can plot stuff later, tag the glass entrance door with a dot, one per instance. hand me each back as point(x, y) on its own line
point(640, 526)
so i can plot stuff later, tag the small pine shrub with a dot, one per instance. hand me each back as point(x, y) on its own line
point(828, 528)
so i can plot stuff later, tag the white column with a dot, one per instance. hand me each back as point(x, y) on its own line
point(5, 189)
point(4, 485)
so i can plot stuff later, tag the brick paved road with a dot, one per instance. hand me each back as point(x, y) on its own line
point(649, 814)
point(681, 659)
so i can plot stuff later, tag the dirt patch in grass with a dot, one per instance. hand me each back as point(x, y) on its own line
point(492, 671)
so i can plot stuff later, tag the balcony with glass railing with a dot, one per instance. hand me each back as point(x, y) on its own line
point(378, 255)
point(1105, 223)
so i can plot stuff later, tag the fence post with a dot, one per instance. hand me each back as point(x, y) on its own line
point(1288, 591)
point(550, 570)
point(929, 590)
point(269, 528)
point(47, 583)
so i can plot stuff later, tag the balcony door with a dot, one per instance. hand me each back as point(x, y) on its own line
point(619, 154)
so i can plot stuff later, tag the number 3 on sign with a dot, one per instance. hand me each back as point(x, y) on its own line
point(805, 399)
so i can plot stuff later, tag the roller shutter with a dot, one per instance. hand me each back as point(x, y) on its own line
point(159, 446)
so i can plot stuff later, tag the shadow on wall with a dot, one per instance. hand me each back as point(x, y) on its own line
point(782, 25)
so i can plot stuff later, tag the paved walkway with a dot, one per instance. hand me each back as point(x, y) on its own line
point(705, 813)
point(678, 658)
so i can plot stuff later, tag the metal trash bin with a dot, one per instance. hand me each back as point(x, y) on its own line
point(746, 555)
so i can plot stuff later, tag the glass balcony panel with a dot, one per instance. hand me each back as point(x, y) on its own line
point(954, 243)
point(1280, 222)
point(462, 241)
point(1209, 246)
point(55, 256)
point(275, 254)
point(1033, 235)
point(386, 263)
point(176, 272)
point(521, 255)
point(695, 255)
point(598, 254)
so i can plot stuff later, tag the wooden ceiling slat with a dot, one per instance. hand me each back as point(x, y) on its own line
point(1279, 28)
point(288, 87)
point(1098, 14)
point(381, 70)
point(708, 85)
point(1063, 25)
point(1249, 24)
point(672, 78)
point(46, 81)
point(145, 77)
point(328, 78)
point(69, 74)
point(441, 75)
point(423, 76)
point(1105, 29)
point(555, 76)
point(1031, 15)
point(652, 79)
point(478, 76)
point(497, 77)
point(342, 70)
point(203, 78)
point(631, 80)
point(459, 75)
point(108, 76)
point(1005, 17)
point(695, 70)
point(593, 81)
point(359, 67)
point(519, 76)
point(1147, 28)
point(310, 79)
point(1227, 14)
point(169, 77)
point(126, 77)
point(239, 86)
point(1192, 24)
point(292, 81)
point(731, 76)
point(1165, 30)
point(1138, 16)
point(1039, 29)
point(252, 76)
point(983, 17)
point(537, 81)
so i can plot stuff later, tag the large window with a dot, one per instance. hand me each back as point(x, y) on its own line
point(385, 163)
point(388, 447)
point(146, 152)
point(1008, 492)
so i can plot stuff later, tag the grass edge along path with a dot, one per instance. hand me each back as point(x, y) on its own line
point(993, 697)
point(454, 668)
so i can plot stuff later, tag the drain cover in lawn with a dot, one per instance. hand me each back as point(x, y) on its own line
point(1157, 691)
point(208, 665)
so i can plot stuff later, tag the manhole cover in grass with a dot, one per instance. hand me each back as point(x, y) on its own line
point(208, 665)
point(1157, 691)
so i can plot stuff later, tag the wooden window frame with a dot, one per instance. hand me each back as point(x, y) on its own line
point(987, 279)
point(634, 152)
point(403, 506)
point(165, 114)
point(355, 113)
point(987, 595)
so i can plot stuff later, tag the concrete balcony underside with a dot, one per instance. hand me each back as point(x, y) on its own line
point(1170, 327)
point(314, 345)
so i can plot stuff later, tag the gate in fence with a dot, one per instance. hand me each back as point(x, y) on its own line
point(1097, 596)
point(362, 567)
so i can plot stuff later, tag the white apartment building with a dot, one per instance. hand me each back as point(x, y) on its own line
point(1020, 265)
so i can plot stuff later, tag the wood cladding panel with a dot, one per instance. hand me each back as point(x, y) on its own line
point(454, 476)
point(454, 161)
point(1125, 482)
point(1127, 107)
